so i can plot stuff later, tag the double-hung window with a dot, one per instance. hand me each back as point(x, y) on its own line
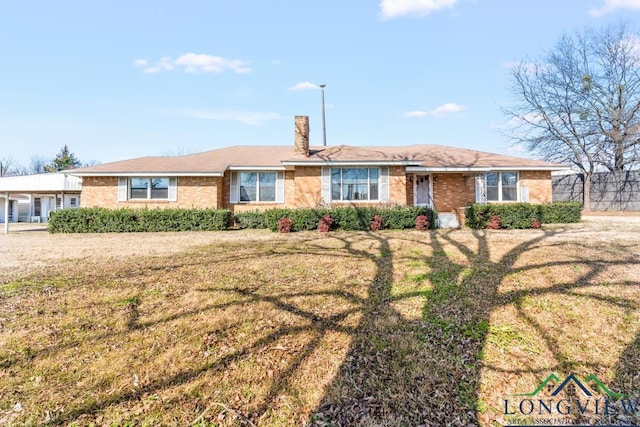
point(355, 184)
point(147, 188)
point(257, 186)
point(502, 186)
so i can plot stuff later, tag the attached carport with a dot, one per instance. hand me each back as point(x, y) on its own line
point(45, 192)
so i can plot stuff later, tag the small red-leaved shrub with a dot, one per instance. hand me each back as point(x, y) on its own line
point(535, 223)
point(422, 223)
point(494, 223)
point(376, 223)
point(284, 225)
point(324, 225)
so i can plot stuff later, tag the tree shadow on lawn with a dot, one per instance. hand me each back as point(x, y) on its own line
point(398, 370)
point(425, 371)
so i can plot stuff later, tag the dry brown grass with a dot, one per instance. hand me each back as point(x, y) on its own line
point(241, 328)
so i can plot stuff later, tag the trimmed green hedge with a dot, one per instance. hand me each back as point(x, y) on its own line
point(561, 212)
point(250, 219)
point(522, 215)
point(101, 220)
point(350, 218)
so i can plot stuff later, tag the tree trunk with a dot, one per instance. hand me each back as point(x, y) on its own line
point(586, 192)
point(619, 157)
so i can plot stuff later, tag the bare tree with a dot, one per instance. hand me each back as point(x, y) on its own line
point(181, 151)
point(37, 164)
point(8, 166)
point(581, 104)
point(91, 163)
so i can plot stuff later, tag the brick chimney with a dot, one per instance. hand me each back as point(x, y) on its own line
point(301, 140)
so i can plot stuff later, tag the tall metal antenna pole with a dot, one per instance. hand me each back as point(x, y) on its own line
point(324, 124)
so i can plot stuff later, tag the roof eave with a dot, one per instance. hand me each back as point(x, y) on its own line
point(482, 168)
point(147, 174)
point(348, 163)
point(256, 168)
point(528, 168)
point(446, 169)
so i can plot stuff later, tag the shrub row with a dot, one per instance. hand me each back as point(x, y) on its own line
point(521, 215)
point(250, 219)
point(350, 218)
point(101, 220)
point(561, 212)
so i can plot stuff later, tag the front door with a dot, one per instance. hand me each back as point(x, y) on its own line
point(423, 190)
point(47, 204)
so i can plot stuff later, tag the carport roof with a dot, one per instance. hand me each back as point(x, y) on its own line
point(40, 183)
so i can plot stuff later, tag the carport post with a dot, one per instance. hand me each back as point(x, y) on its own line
point(6, 213)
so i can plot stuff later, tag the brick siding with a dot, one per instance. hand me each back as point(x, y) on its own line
point(303, 188)
point(539, 183)
point(307, 187)
point(453, 190)
point(193, 192)
point(398, 185)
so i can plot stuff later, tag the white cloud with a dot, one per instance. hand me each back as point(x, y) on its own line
point(446, 109)
point(304, 86)
point(165, 64)
point(394, 8)
point(441, 111)
point(246, 117)
point(194, 63)
point(201, 63)
point(634, 44)
point(613, 5)
point(416, 113)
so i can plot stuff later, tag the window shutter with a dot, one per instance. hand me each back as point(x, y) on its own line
point(384, 185)
point(524, 194)
point(481, 189)
point(173, 189)
point(326, 184)
point(280, 187)
point(233, 195)
point(122, 189)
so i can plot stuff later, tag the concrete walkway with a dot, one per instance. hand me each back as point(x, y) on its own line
point(19, 227)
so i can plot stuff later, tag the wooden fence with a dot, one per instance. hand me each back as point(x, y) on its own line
point(610, 191)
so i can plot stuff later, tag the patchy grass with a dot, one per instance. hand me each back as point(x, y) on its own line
point(251, 328)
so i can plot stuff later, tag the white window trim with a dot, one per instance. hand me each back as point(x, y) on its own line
point(124, 189)
point(383, 184)
point(234, 184)
point(500, 187)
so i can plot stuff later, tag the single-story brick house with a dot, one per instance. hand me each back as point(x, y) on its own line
point(243, 178)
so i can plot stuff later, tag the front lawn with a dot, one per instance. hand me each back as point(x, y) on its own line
point(254, 328)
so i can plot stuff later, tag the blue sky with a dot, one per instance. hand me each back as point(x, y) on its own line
point(120, 79)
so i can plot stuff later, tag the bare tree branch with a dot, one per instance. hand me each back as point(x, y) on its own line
point(581, 103)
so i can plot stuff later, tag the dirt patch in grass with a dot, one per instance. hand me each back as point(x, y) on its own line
point(241, 328)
